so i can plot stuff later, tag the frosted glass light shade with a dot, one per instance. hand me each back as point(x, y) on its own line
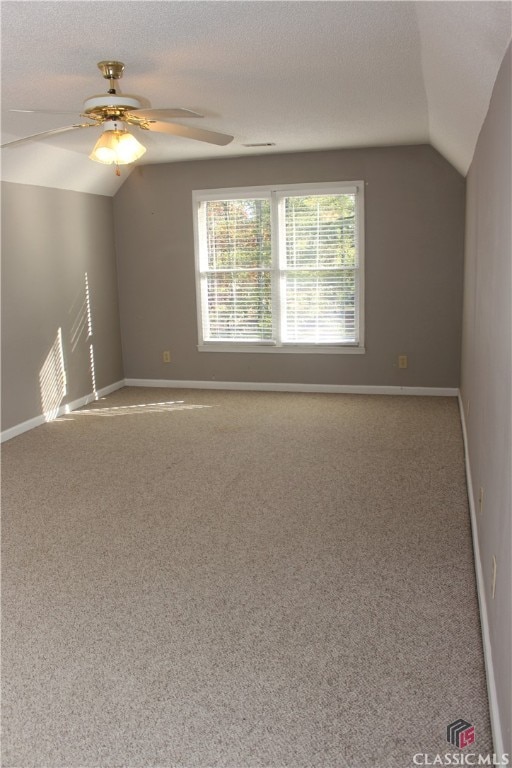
point(119, 147)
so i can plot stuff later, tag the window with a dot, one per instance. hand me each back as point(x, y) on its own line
point(280, 269)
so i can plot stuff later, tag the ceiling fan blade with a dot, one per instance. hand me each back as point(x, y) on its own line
point(164, 114)
point(47, 133)
point(190, 133)
point(46, 111)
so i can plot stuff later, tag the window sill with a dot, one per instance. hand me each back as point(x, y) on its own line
point(294, 349)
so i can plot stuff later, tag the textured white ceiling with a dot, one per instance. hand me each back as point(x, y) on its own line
point(304, 75)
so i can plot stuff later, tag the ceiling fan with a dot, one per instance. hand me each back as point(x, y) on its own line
point(114, 112)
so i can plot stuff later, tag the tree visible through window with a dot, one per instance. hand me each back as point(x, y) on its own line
point(239, 270)
point(280, 267)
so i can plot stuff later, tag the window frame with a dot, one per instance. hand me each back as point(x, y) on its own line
point(275, 192)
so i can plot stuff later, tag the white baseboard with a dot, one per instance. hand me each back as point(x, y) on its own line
point(25, 426)
point(329, 388)
point(482, 601)
point(348, 389)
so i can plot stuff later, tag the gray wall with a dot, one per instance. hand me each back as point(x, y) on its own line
point(414, 264)
point(487, 370)
point(50, 240)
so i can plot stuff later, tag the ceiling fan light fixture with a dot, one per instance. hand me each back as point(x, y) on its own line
point(115, 112)
point(129, 149)
point(116, 145)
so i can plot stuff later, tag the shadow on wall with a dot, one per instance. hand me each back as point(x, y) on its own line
point(89, 336)
point(52, 380)
point(52, 376)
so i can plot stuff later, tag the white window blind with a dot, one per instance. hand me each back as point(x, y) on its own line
point(237, 270)
point(319, 270)
point(281, 268)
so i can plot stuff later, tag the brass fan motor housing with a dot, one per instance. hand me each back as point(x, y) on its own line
point(110, 105)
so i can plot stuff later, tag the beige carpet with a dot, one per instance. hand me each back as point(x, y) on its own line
point(203, 579)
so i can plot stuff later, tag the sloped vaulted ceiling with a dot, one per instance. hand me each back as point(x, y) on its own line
point(462, 47)
point(302, 75)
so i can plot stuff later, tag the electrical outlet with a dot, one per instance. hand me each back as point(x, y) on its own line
point(493, 581)
point(166, 356)
point(481, 500)
point(402, 361)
